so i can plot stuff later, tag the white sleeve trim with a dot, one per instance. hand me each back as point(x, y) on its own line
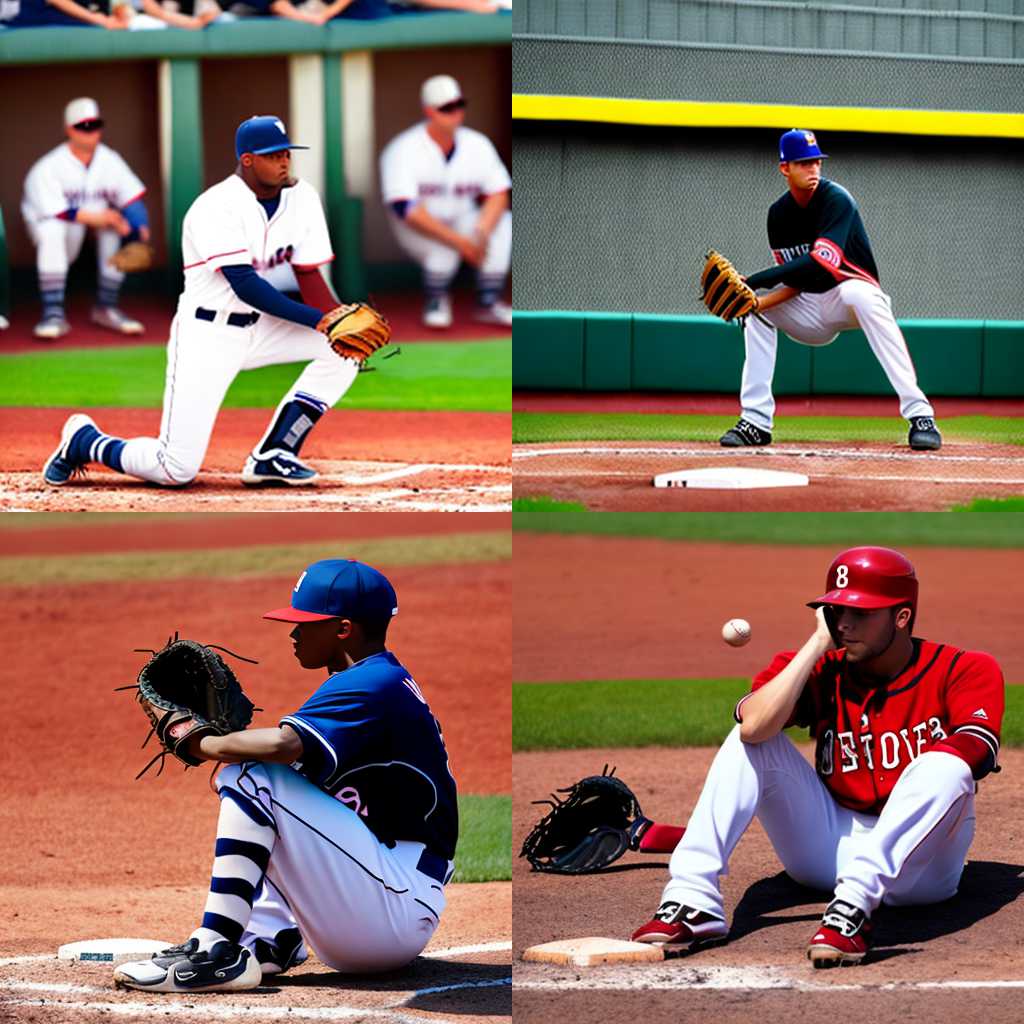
point(298, 723)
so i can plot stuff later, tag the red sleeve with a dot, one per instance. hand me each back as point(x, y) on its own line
point(975, 700)
point(803, 712)
point(315, 290)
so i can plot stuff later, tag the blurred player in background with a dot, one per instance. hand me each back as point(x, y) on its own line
point(80, 185)
point(449, 197)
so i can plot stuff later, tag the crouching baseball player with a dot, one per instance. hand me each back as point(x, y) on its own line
point(904, 728)
point(825, 267)
point(231, 318)
point(337, 828)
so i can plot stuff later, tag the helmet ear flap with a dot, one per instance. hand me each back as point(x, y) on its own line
point(831, 619)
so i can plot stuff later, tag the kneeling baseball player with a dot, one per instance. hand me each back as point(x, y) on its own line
point(904, 729)
point(337, 828)
point(230, 318)
point(825, 282)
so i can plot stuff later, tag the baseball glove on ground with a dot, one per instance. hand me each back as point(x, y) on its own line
point(724, 291)
point(133, 257)
point(186, 689)
point(355, 331)
point(592, 827)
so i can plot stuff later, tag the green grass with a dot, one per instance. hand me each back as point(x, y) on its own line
point(545, 504)
point(653, 712)
point(994, 530)
point(467, 376)
point(620, 426)
point(258, 561)
point(484, 853)
point(991, 505)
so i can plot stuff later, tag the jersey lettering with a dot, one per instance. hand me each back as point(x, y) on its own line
point(349, 796)
point(849, 760)
point(825, 753)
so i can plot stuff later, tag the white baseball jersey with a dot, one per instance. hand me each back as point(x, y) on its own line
point(413, 168)
point(60, 180)
point(227, 225)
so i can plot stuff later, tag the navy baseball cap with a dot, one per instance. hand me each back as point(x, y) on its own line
point(262, 134)
point(339, 588)
point(798, 144)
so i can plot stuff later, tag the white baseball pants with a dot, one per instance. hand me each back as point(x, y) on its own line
point(440, 262)
point(817, 319)
point(913, 852)
point(203, 358)
point(58, 243)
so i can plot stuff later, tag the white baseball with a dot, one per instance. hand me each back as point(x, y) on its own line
point(736, 632)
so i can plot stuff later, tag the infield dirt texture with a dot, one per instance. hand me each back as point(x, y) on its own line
point(91, 853)
point(641, 616)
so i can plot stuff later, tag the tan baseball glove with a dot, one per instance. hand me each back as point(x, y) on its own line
point(133, 257)
point(355, 331)
point(724, 291)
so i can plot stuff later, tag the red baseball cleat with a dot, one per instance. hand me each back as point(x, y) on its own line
point(843, 938)
point(677, 925)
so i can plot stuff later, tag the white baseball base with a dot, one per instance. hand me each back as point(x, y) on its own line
point(729, 478)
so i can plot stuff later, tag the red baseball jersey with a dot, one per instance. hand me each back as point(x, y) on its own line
point(946, 699)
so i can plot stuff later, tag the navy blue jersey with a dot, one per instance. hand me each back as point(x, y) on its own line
point(370, 740)
point(819, 245)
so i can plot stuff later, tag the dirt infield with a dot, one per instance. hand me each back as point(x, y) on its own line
point(646, 609)
point(369, 461)
point(89, 852)
point(618, 476)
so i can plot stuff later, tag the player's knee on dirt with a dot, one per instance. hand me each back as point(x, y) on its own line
point(180, 470)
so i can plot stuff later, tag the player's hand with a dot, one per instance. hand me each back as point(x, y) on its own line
point(144, 233)
point(116, 220)
point(472, 251)
point(823, 634)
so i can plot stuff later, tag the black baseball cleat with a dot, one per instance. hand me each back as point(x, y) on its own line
point(924, 435)
point(744, 435)
point(227, 967)
point(284, 951)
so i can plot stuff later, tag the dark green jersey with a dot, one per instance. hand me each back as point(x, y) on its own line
point(819, 245)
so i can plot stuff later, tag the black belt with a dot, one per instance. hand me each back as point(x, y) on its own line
point(234, 319)
point(433, 866)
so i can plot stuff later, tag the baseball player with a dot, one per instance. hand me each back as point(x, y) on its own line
point(822, 251)
point(230, 318)
point(337, 828)
point(82, 184)
point(448, 197)
point(904, 728)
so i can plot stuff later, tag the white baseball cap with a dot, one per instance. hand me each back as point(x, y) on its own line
point(81, 109)
point(439, 90)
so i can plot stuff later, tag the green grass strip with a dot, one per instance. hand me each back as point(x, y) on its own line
point(261, 561)
point(991, 505)
point(545, 504)
point(653, 712)
point(535, 427)
point(459, 376)
point(484, 853)
point(993, 530)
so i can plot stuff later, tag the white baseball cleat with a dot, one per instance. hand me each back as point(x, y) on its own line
point(277, 467)
point(60, 467)
point(227, 967)
point(50, 328)
point(113, 319)
point(499, 313)
point(438, 312)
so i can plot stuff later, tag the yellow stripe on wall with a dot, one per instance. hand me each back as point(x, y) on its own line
point(695, 114)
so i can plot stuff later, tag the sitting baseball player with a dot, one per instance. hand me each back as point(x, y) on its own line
point(822, 251)
point(904, 729)
point(337, 828)
point(82, 185)
point(448, 198)
point(231, 318)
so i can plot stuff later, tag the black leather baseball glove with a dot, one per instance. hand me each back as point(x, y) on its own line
point(587, 830)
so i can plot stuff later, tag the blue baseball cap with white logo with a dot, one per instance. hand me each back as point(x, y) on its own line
point(262, 134)
point(339, 588)
point(799, 144)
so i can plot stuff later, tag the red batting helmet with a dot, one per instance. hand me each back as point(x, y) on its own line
point(870, 578)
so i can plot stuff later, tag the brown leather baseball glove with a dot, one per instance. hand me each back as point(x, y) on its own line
point(133, 257)
point(355, 331)
point(724, 291)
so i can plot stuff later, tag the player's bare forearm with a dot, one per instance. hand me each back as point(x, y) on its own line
point(490, 213)
point(773, 298)
point(280, 745)
point(766, 711)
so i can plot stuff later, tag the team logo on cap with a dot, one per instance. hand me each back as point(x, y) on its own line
point(299, 583)
point(809, 138)
point(280, 127)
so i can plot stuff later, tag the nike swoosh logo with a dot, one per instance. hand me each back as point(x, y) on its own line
point(283, 470)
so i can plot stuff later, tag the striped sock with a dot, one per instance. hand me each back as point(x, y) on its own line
point(92, 445)
point(244, 841)
point(107, 292)
point(51, 291)
point(488, 289)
